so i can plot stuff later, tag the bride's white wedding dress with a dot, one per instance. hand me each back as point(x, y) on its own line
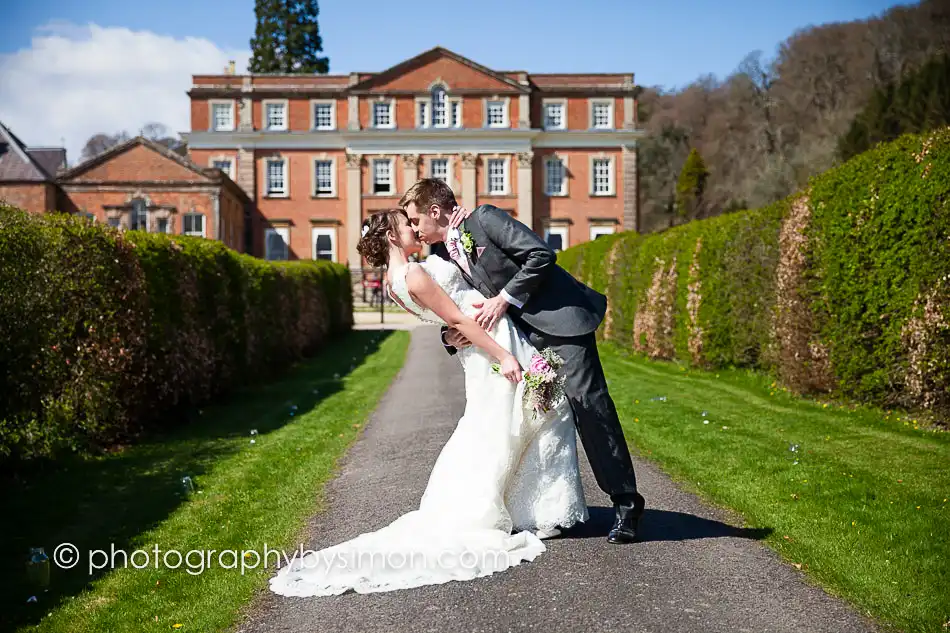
point(503, 469)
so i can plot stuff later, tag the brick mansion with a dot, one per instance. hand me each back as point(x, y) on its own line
point(309, 156)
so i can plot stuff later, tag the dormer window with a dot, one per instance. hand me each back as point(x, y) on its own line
point(438, 109)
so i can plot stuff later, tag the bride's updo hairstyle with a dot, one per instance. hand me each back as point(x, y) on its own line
point(374, 243)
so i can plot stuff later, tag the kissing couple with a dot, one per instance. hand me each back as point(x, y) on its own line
point(508, 477)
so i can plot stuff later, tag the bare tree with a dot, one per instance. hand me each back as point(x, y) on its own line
point(160, 133)
point(99, 143)
point(768, 127)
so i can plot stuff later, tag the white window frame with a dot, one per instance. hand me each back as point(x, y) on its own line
point(284, 232)
point(544, 113)
point(611, 175)
point(265, 115)
point(428, 122)
point(192, 214)
point(558, 229)
point(316, 232)
point(596, 230)
point(392, 176)
point(506, 173)
point(132, 215)
point(313, 114)
point(267, 189)
point(392, 114)
point(505, 105)
point(448, 168)
point(423, 120)
point(590, 107)
point(212, 120)
point(554, 158)
point(313, 176)
point(230, 160)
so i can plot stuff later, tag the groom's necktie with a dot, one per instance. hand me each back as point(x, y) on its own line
point(456, 253)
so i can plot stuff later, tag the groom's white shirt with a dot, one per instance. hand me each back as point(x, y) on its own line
point(453, 242)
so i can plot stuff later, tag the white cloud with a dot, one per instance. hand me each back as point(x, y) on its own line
point(75, 81)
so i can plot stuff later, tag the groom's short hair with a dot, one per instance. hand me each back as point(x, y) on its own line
point(428, 191)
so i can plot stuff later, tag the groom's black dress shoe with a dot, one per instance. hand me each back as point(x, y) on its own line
point(626, 524)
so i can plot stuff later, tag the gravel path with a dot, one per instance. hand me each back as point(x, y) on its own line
point(692, 572)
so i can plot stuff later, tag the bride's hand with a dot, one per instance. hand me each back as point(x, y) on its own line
point(459, 215)
point(511, 369)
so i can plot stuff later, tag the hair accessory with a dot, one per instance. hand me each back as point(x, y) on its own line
point(365, 230)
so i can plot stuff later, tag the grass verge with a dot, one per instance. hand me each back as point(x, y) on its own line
point(860, 504)
point(251, 494)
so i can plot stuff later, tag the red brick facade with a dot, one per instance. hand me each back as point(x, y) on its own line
point(142, 185)
point(36, 197)
point(314, 153)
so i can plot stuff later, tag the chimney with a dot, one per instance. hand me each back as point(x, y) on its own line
point(231, 66)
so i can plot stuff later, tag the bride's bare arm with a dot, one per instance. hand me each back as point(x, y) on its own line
point(429, 294)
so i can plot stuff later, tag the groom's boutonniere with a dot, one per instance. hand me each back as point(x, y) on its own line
point(468, 242)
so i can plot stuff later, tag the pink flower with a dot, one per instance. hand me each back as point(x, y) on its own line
point(539, 365)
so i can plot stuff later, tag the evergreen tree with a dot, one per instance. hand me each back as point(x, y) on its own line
point(920, 102)
point(691, 186)
point(287, 38)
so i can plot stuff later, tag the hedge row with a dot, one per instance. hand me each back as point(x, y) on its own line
point(843, 288)
point(104, 334)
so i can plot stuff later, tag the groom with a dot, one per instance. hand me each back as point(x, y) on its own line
point(509, 263)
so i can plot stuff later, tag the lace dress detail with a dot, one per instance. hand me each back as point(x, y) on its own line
point(502, 470)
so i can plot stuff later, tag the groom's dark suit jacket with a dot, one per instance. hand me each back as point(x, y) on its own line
point(561, 313)
point(508, 255)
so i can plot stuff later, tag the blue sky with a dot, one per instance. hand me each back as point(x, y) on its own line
point(122, 62)
point(668, 43)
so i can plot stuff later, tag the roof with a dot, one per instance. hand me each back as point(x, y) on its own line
point(332, 86)
point(367, 79)
point(22, 164)
point(51, 159)
point(115, 150)
point(210, 173)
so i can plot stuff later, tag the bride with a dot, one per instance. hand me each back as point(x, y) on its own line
point(503, 470)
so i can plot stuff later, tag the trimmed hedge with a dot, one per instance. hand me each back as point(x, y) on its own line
point(842, 288)
point(104, 334)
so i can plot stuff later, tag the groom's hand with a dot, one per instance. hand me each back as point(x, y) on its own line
point(455, 339)
point(490, 311)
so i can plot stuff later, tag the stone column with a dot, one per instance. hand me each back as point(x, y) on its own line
point(525, 193)
point(354, 203)
point(246, 172)
point(353, 114)
point(629, 106)
point(469, 182)
point(410, 171)
point(215, 196)
point(631, 189)
point(245, 120)
point(524, 112)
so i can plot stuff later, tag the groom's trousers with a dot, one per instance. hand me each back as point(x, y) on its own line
point(595, 415)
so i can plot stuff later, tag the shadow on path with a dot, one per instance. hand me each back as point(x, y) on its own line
point(664, 525)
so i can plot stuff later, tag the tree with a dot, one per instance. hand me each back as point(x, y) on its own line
point(920, 102)
point(287, 38)
point(99, 143)
point(691, 186)
point(160, 133)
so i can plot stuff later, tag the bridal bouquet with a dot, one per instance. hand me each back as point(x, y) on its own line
point(544, 387)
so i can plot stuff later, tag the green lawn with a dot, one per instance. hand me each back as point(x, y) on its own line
point(251, 495)
point(865, 509)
